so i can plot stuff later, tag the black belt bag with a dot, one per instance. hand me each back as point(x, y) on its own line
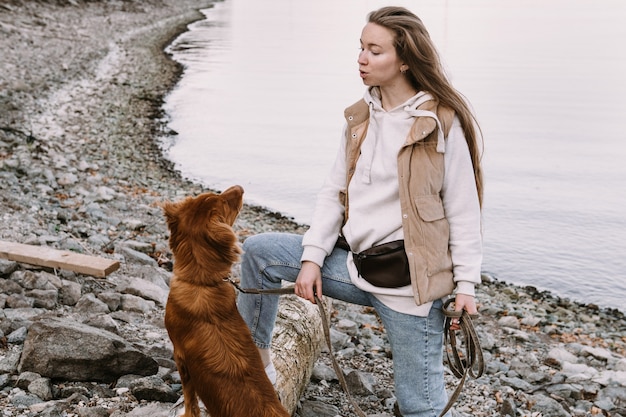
point(383, 265)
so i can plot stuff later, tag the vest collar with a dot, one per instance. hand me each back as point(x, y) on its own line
point(426, 121)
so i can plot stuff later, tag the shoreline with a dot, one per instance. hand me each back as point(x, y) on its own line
point(81, 169)
point(546, 276)
point(158, 125)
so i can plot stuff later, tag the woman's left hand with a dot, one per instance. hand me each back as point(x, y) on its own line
point(463, 302)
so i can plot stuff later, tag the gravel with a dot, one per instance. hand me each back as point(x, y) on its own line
point(81, 89)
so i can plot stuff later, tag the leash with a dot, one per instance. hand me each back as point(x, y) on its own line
point(472, 363)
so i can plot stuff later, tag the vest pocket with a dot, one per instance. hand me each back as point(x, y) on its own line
point(429, 207)
point(435, 233)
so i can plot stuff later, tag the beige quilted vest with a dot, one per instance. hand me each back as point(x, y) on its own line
point(420, 175)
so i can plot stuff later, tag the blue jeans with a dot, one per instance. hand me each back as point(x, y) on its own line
point(416, 342)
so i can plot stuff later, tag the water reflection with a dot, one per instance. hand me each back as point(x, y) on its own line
point(262, 99)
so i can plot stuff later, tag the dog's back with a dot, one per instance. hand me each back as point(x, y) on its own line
point(213, 349)
point(217, 358)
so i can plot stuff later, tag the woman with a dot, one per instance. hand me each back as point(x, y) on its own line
point(408, 168)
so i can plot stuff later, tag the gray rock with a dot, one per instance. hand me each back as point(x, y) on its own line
point(10, 286)
point(548, 406)
point(616, 394)
point(26, 378)
point(40, 280)
point(360, 383)
point(125, 381)
point(562, 355)
point(142, 247)
point(105, 194)
point(44, 298)
point(347, 326)
point(111, 299)
point(153, 388)
point(487, 341)
point(517, 383)
point(150, 410)
point(16, 301)
point(576, 372)
point(7, 267)
point(531, 321)
point(598, 353)
point(318, 409)
point(136, 304)
point(605, 404)
point(565, 390)
point(72, 245)
point(69, 293)
point(93, 412)
point(323, 372)
point(5, 379)
point(67, 179)
point(98, 240)
point(141, 288)
point(24, 400)
point(9, 361)
point(103, 321)
point(89, 304)
point(339, 340)
point(41, 388)
point(134, 256)
point(64, 349)
point(509, 321)
point(607, 377)
point(519, 334)
point(17, 336)
point(508, 408)
point(346, 353)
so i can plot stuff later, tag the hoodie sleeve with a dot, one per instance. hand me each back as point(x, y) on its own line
point(319, 240)
point(460, 201)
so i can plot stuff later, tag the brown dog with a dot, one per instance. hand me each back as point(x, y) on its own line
point(213, 349)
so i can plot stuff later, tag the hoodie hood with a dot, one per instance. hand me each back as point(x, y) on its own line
point(420, 105)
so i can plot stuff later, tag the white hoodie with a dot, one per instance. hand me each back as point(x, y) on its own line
point(375, 215)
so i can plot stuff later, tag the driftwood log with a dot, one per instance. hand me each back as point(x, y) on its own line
point(297, 342)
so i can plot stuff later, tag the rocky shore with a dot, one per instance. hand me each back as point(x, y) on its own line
point(81, 88)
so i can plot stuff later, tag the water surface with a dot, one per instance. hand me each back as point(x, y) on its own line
point(265, 85)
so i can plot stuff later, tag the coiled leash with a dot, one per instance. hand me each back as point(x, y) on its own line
point(472, 364)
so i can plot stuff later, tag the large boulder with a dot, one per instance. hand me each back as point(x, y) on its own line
point(64, 349)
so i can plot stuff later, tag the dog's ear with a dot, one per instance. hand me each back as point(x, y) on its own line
point(222, 238)
point(171, 212)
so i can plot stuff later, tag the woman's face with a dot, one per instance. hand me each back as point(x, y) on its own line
point(379, 65)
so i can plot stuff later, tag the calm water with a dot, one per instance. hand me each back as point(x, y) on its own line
point(262, 99)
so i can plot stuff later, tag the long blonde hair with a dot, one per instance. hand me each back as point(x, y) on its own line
point(414, 46)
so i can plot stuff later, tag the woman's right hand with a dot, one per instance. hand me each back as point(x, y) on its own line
point(309, 281)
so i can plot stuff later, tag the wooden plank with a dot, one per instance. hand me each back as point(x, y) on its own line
point(59, 259)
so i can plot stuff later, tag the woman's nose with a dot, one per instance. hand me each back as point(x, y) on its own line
point(361, 58)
